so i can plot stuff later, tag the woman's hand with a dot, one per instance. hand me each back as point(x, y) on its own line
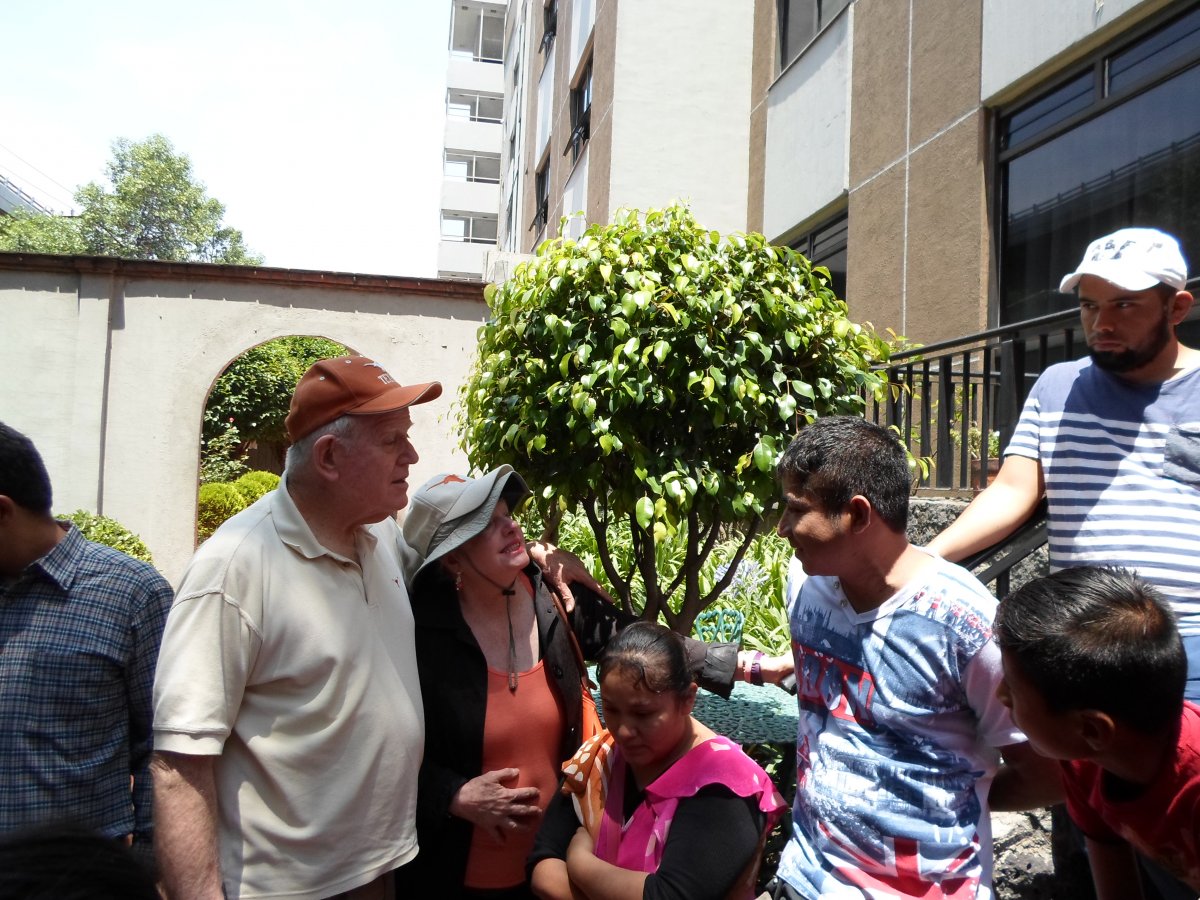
point(559, 568)
point(596, 879)
point(501, 811)
point(772, 669)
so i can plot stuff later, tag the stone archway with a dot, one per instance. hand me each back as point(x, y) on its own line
point(249, 397)
point(106, 364)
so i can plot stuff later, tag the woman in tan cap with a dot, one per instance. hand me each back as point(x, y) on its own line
point(500, 682)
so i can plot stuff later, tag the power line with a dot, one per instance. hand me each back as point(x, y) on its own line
point(67, 192)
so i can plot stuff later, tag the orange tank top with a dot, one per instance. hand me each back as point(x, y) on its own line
point(521, 730)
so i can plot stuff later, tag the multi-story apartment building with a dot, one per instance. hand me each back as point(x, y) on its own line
point(471, 165)
point(946, 159)
point(635, 103)
point(12, 197)
point(951, 159)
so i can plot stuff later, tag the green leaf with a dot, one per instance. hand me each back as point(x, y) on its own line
point(658, 371)
point(644, 512)
point(787, 407)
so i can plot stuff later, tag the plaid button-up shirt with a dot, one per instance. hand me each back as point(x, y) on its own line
point(79, 636)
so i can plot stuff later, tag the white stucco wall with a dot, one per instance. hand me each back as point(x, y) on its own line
point(575, 196)
point(808, 131)
point(681, 108)
point(109, 375)
point(1019, 36)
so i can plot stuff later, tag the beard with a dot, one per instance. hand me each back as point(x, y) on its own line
point(1118, 361)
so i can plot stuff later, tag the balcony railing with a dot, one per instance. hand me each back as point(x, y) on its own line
point(956, 403)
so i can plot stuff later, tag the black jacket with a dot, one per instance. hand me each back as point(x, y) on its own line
point(454, 692)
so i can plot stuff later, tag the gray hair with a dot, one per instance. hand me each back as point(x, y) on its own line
point(299, 454)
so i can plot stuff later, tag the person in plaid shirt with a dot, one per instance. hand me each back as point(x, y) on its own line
point(80, 626)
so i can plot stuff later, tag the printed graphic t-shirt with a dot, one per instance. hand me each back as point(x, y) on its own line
point(899, 726)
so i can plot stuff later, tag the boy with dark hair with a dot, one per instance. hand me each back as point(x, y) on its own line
point(1094, 673)
point(900, 732)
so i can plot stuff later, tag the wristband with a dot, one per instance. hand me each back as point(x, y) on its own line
point(756, 669)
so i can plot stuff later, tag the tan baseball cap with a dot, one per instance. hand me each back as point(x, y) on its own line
point(349, 385)
point(448, 510)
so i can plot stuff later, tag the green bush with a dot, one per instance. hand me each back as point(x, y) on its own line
point(110, 533)
point(653, 371)
point(218, 501)
point(254, 484)
point(222, 458)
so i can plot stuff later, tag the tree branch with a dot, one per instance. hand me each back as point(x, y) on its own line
point(600, 530)
point(727, 578)
point(643, 553)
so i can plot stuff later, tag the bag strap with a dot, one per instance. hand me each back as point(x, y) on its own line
point(578, 651)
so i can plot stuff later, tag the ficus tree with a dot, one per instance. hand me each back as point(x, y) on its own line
point(655, 370)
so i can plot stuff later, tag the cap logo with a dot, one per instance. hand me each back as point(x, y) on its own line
point(449, 479)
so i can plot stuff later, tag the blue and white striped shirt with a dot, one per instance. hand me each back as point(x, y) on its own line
point(1121, 462)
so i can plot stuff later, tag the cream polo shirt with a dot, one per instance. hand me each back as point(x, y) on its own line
point(297, 670)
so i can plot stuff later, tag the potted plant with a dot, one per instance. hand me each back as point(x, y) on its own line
point(979, 478)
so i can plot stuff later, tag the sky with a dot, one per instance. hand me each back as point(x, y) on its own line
point(318, 123)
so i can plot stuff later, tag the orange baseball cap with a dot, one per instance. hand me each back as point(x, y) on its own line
point(349, 385)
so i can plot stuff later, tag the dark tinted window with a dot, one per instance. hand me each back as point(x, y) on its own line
point(826, 246)
point(1135, 161)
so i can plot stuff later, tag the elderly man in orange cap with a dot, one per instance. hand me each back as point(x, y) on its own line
point(288, 723)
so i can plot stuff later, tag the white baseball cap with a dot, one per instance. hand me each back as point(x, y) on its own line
point(1134, 259)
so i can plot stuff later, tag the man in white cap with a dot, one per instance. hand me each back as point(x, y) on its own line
point(288, 724)
point(1112, 441)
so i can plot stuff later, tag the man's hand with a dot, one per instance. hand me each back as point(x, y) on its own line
point(560, 568)
point(1025, 780)
point(501, 811)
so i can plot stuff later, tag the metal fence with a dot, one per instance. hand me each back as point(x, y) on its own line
point(955, 403)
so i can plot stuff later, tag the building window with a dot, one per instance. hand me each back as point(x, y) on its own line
point(1108, 146)
point(471, 229)
point(800, 21)
point(463, 165)
point(581, 113)
point(478, 33)
point(549, 24)
point(826, 246)
point(541, 189)
point(475, 107)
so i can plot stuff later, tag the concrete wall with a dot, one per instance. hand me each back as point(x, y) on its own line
point(1020, 37)
point(107, 364)
point(763, 70)
point(808, 132)
point(917, 258)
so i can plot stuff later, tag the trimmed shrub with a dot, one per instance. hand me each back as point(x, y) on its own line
point(254, 484)
point(217, 502)
point(110, 533)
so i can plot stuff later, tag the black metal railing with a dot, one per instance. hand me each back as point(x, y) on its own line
point(995, 563)
point(955, 403)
